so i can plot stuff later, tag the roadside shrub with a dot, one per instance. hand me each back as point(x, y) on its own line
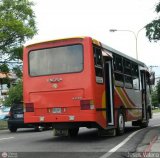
point(15, 94)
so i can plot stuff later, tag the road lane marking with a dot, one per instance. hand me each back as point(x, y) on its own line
point(6, 138)
point(119, 145)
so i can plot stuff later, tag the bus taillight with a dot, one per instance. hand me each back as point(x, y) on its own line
point(87, 105)
point(29, 107)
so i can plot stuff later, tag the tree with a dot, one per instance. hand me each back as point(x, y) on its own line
point(156, 94)
point(153, 28)
point(15, 94)
point(154, 97)
point(17, 24)
point(18, 71)
point(158, 91)
point(5, 70)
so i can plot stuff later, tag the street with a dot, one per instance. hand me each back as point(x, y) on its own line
point(28, 143)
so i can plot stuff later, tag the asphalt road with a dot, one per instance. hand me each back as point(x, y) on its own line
point(28, 143)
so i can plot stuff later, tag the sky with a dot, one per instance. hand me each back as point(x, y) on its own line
point(68, 18)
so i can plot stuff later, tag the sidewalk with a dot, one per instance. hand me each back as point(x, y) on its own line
point(150, 145)
point(156, 145)
point(155, 142)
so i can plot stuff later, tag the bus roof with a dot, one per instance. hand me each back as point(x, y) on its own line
point(122, 54)
point(60, 39)
point(117, 52)
point(97, 43)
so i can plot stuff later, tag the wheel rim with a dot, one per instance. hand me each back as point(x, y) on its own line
point(121, 122)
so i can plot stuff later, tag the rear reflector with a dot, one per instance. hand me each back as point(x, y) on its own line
point(29, 107)
point(87, 105)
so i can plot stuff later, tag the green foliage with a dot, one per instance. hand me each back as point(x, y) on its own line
point(16, 53)
point(158, 8)
point(15, 94)
point(158, 91)
point(17, 70)
point(156, 110)
point(4, 68)
point(17, 24)
point(153, 28)
point(156, 94)
point(154, 97)
point(6, 81)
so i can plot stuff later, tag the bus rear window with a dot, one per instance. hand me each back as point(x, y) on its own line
point(58, 60)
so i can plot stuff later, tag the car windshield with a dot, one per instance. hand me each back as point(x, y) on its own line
point(58, 60)
point(5, 109)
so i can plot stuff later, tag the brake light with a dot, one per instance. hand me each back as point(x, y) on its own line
point(29, 107)
point(87, 105)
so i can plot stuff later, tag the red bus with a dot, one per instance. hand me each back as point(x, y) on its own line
point(80, 82)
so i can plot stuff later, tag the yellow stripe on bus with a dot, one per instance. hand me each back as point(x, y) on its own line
point(126, 102)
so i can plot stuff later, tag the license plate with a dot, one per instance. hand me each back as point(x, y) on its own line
point(57, 110)
point(19, 116)
point(60, 132)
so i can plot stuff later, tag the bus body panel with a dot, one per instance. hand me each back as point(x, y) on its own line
point(131, 101)
point(66, 94)
point(100, 102)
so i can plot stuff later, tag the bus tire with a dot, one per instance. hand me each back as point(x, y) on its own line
point(120, 123)
point(13, 129)
point(73, 132)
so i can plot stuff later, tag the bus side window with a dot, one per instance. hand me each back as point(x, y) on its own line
point(98, 64)
point(127, 74)
point(119, 79)
point(118, 70)
point(128, 81)
point(127, 67)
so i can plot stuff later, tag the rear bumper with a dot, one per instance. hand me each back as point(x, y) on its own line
point(80, 119)
point(66, 125)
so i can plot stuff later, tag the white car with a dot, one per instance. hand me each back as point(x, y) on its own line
point(4, 113)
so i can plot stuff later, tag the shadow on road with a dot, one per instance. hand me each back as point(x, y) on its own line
point(90, 135)
point(85, 135)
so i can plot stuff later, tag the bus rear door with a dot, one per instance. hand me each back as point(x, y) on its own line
point(109, 88)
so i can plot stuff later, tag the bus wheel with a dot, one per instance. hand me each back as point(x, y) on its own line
point(13, 129)
point(73, 132)
point(120, 123)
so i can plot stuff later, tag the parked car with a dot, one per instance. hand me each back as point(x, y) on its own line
point(16, 119)
point(4, 113)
